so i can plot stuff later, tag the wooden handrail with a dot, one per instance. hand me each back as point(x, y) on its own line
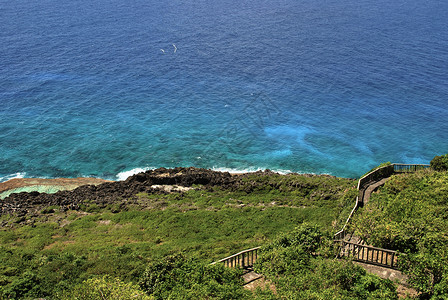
point(371, 255)
point(376, 174)
point(409, 167)
point(367, 254)
point(243, 259)
point(362, 253)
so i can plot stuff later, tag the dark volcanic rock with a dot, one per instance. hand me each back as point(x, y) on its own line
point(125, 192)
point(106, 193)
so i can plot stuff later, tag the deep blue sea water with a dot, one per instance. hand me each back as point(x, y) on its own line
point(97, 88)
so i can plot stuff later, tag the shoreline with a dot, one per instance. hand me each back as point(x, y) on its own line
point(17, 185)
point(123, 175)
point(53, 185)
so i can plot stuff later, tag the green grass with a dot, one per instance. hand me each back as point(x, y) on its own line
point(122, 244)
point(208, 233)
point(410, 214)
point(63, 249)
point(291, 263)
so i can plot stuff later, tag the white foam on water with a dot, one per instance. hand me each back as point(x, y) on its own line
point(126, 174)
point(236, 171)
point(249, 170)
point(12, 176)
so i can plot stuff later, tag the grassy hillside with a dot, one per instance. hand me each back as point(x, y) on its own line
point(147, 243)
point(55, 250)
point(301, 265)
point(410, 214)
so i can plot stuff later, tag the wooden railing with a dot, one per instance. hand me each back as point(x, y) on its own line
point(340, 235)
point(373, 176)
point(371, 255)
point(243, 259)
point(362, 253)
point(400, 168)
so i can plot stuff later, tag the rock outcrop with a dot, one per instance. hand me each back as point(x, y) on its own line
point(109, 192)
point(159, 181)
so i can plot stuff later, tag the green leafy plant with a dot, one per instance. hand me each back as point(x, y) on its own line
point(297, 273)
point(409, 214)
point(104, 287)
point(177, 277)
point(440, 163)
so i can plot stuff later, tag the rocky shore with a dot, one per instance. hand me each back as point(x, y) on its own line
point(104, 192)
point(160, 181)
point(58, 183)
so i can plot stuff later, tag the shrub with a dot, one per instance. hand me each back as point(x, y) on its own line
point(279, 261)
point(92, 208)
point(373, 287)
point(427, 272)
point(290, 262)
point(440, 163)
point(27, 285)
point(308, 237)
point(410, 214)
point(104, 287)
point(176, 277)
point(290, 253)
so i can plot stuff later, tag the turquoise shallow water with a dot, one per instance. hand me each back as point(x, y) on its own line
point(34, 188)
point(303, 86)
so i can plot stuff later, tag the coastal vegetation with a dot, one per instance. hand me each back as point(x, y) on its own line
point(301, 265)
point(53, 250)
point(410, 214)
point(159, 245)
point(440, 163)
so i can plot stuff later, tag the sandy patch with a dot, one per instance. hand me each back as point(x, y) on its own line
point(53, 185)
point(171, 188)
point(104, 222)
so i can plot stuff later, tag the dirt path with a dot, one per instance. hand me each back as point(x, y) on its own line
point(396, 276)
point(253, 280)
point(371, 188)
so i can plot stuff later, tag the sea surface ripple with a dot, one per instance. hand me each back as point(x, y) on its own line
point(107, 88)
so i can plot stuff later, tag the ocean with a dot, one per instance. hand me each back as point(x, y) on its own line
point(108, 88)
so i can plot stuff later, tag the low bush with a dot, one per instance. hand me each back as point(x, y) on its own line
point(102, 288)
point(410, 214)
point(290, 262)
point(177, 277)
point(56, 250)
point(440, 163)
